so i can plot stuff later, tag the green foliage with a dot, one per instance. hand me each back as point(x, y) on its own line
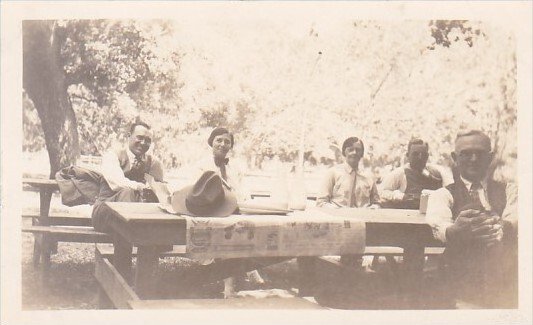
point(106, 57)
point(115, 69)
point(270, 82)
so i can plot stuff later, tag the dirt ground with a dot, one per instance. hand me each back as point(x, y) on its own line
point(70, 283)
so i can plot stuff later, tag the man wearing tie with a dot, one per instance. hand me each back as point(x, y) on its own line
point(344, 185)
point(123, 170)
point(476, 218)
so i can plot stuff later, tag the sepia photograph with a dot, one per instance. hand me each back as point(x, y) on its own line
point(191, 160)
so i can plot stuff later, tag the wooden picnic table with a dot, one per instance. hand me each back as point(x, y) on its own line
point(52, 226)
point(46, 243)
point(152, 231)
point(46, 188)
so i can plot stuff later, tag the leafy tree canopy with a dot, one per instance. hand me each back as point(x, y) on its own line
point(272, 82)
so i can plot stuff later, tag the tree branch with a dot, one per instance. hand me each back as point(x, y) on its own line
point(92, 100)
point(373, 95)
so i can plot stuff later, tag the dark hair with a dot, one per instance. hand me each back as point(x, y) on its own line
point(219, 131)
point(134, 125)
point(351, 141)
point(416, 141)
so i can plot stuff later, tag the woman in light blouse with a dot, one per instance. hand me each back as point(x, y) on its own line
point(221, 141)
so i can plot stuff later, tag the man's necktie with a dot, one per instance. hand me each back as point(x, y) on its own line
point(351, 199)
point(136, 163)
point(474, 193)
point(136, 172)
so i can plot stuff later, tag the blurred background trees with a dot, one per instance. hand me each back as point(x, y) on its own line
point(382, 81)
point(86, 79)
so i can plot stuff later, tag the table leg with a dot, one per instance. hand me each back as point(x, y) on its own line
point(413, 272)
point(37, 241)
point(122, 255)
point(146, 269)
point(45, 197)
point(40, 245)
point(47, 246)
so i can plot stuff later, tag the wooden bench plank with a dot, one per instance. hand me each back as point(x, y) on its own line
point(434, 250)
point(41, 183)
point(396, 251)
point(73, 234)
point(180, 250)
point(383, 250)
point(334, 261)
point(232, 303)
point(266, 193)
point(114, 285)
point(107, 251)
point(62, 218)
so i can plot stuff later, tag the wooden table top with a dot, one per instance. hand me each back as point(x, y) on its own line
point(147, 224)
point(41, 182)
point(151, 212)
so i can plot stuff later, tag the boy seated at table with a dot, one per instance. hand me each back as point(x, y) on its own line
point(346, 187)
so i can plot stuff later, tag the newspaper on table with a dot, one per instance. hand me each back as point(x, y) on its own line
point(160, 189)
point(303, 233)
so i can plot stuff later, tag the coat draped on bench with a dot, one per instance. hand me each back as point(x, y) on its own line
point(78, 185)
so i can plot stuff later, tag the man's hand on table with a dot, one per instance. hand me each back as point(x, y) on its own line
point(477, 226)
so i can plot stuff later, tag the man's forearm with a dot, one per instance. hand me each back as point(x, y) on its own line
point(391, 195)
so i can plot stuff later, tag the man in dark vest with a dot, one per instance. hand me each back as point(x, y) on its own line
point(123, 170)
point(401, 189)
point(477, 219)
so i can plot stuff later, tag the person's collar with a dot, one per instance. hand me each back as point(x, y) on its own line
point(131, 156)
point(219, 161)
point(468, 183)
point(349, 168)
point(424, 171)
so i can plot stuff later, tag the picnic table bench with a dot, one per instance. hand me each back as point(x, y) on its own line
point(49, 228)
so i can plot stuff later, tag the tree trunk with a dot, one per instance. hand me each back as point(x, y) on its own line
point(44, 82)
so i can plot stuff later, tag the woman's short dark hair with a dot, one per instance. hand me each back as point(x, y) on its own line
point(350, 142)
point(219, 131)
